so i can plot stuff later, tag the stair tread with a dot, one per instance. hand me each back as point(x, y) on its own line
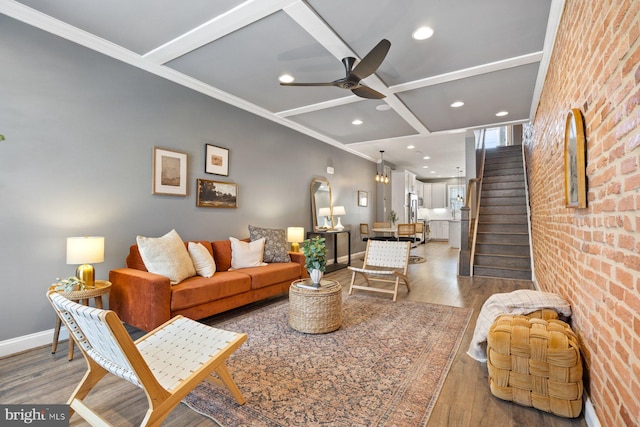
point(503, 255)
point(502, 268)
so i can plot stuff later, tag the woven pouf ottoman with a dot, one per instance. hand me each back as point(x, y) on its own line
point(535, 362)
point(315, 311)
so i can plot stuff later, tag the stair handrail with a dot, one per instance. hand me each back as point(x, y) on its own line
point(470, 213)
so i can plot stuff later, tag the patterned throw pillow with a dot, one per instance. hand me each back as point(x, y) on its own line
point(276, 248)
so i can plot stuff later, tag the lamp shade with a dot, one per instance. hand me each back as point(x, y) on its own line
point(295, 234)
point(339, 210)
point(85, 250)
point(324, 211)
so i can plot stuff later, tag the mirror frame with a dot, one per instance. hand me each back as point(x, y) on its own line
point(316, 183)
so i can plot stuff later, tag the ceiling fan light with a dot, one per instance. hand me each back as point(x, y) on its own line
point(422, 33)
point(286, 78)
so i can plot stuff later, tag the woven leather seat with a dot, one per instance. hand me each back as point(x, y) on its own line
point(535, 362)
point(167, 363)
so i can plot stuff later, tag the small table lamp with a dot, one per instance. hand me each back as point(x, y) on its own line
point(326, 213)
point(295, 235)
point(85, 250)
point(339, 211)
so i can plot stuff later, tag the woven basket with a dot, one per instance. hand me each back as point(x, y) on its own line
point(315, 311)
point(535, 362)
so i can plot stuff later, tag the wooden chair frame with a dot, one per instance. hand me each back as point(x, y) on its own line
point(384, 261)
point(167, 363)
point(407, 232)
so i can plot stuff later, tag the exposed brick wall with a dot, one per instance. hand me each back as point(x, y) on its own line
point(591, 256)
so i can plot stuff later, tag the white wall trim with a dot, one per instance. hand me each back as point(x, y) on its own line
point(29, 342)
point(590, 414)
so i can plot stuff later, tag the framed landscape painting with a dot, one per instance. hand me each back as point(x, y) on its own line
point(215, 194)
point(216, 160)
point(169, 172)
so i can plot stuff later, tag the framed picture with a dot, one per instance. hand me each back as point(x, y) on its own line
point(575, 179)
point(363, 198)
point(216, 160)
point(169, 172)
point(215, 194)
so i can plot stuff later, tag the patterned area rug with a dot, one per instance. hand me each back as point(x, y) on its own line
point(384, 367)
point(414, 259)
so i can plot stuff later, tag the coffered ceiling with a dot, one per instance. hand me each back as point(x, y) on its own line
point(489, 54)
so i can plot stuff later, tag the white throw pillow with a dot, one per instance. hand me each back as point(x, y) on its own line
point(202, 259)
point(246, 254)
point(166, 256)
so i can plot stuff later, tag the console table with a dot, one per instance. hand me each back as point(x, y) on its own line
point(326, 234)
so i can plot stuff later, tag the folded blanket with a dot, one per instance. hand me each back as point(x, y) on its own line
point(523, 301)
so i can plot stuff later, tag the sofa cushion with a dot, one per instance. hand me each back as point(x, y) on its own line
point(246, 254)
point(276, 248)
point(202, 259)
point(272, 274)
point(200, 290)
point(167, 256)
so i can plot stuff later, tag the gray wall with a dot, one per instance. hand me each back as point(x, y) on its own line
point(80, 130)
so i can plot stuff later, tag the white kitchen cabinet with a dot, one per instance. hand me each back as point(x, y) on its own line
point(434, 195)
point(439, 229)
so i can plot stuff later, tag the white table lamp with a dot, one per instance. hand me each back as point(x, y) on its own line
point(85, 250)
point(326, 213)
point(295, 235)
point(339, 211)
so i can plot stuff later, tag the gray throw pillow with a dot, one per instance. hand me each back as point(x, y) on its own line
point(276, 247)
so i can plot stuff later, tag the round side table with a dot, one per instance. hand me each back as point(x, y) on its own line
point(102, 287)
point(315, 311)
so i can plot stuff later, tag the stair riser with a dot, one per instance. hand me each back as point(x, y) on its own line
point(504, 201)
point(506, 274)
point(503, 210)
point(518, 177)
point(505, 164)
point(502, 228)
point(503, 192)
point(503, 171)
point(514, 239)
point(503, 185)
point(508, 219)
point(489, 249)
point(502, 261)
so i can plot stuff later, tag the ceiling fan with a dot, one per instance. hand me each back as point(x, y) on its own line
point(353, 76)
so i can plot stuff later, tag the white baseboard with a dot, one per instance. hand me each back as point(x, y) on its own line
point(590, 414)
point(28, 342)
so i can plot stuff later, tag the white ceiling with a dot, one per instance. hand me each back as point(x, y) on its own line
point(491, 54)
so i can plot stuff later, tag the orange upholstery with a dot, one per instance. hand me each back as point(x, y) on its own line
point(146, 300)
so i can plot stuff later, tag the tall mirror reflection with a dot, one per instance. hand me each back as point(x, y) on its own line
point(321, 204)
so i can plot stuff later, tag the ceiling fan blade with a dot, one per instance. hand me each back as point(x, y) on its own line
point(371, 61)
point(308, 84)
point(367, 92)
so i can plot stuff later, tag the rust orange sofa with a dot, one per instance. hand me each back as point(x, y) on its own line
point(146, 300)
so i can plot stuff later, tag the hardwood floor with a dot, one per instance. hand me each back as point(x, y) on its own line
point(38, 377)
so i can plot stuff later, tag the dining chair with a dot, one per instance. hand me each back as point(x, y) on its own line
point(167, 363)
point(364, 232)
point(381, 225)
point(419, 231)
point(386, 262)
point(406, 232)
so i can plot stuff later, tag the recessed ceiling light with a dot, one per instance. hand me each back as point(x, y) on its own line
point(425, 167)
point(457, 104)
point(410, 147)
point(356, 122)
point(383, 107)
point(502, 113)
point(286, 78)
point(433, 171)
point(422, 33)
point(426, 157)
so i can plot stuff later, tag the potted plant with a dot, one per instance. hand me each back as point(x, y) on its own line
point(315, 262)
point(393, 217)
point(69, 285)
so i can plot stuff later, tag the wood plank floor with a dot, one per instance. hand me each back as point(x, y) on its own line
point(38, 377)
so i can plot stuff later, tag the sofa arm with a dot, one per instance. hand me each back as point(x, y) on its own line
point(140, 298)
point(299, 258)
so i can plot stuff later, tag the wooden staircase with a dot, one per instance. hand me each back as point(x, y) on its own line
point(502, 240)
